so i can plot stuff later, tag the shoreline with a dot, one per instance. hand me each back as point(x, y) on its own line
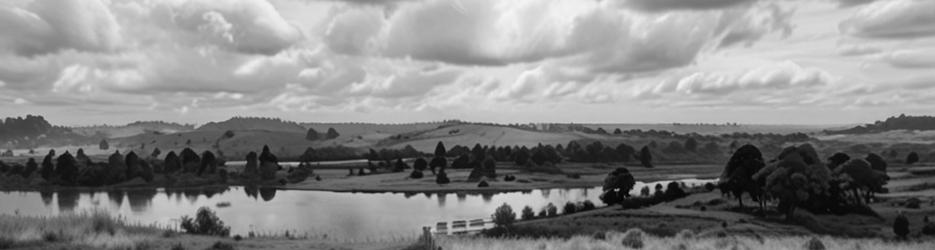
point(435, 188)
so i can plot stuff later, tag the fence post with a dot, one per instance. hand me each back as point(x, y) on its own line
point(427, 240)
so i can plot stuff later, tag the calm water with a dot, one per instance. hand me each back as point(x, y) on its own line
point(339, 215)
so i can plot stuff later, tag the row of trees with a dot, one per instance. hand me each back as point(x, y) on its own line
point(798, 178)
point(313, 135)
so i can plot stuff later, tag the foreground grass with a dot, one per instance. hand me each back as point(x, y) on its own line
point(100, 230)
point(637, 239)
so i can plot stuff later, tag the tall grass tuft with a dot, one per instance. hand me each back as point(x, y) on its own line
point(94, 229)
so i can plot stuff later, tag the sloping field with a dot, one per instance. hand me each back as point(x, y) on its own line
point(468, 135)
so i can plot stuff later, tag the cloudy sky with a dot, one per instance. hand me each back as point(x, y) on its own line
point(795, 61)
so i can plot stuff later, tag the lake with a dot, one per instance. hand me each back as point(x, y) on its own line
point(341, 215)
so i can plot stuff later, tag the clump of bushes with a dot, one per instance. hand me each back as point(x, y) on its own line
point(504, 216)
point(483, 184)
point(206, 222)
point(633, 239)
point(814, 244)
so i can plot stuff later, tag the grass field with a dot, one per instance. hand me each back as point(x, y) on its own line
point(637, 239)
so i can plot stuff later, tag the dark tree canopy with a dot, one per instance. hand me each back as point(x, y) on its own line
point(646, 157)
point(837, 159)
point(521, 156)
point(440, 149)
point(118, 167)
point(420, 164)
point(912, 158)
point(172, 163)
point(876, 162)
point(103, 145)
point(737, 176)
point(617, 186)
point(133, 165)
point(48, 166)
point(67, 168)
point(312, 135)
point(252, 167)
point(267, 156)
point(691, 144)
point(190, 160)
point(208, 164)
point(331, 134)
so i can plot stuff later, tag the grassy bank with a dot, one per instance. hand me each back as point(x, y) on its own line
point(637, 239)
point(99, 230)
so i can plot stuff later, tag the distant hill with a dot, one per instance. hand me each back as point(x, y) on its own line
point(31, 131)
point(901, 122)
point(136, 128)
point(254, 123)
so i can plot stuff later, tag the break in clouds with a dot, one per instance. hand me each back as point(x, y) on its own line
point(640, 60)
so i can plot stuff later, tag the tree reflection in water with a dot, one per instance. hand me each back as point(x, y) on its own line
point(441, 199)
point(115, 197)
point(68, 200)
point(251, 191)
point(267, 193)
point(140, 199)
point(47, 197)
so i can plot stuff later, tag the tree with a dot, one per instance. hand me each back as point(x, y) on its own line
point(208, 164)
point(117, 167)
point(837, 160)
point(912, 158)
point(31, 167)
point(146, 171)
point(48, 168)
point(172, 163)
point(190, 160)
point(267, 156)
point(206, 222)
point(901, 226)
point(617, 186)
point(420, 164)
point(617, 131)
point(440, 149)
point(103, 145)
point(796, 177)
point(133, 165)
point(438, 162)
point(442, 177)
point(521, 156)
point(66, 168)
point(504, 216)
point(156, 153)
point(331, 134)
point(737, 176)
point(876, 162)
point(691, 144)
point(528, 214)
point(252, 167)
point(860, 178)
point(646, 157)
point(312, 135)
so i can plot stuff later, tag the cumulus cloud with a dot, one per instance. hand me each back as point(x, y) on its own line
point(911, 58)
point(494, 33)
point(782, 76)
point(892, 19)
point(663, 5)
point(42, 27)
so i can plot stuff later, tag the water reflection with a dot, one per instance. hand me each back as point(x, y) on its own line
point(340, 215)
point(68, 200)
point(268, 193)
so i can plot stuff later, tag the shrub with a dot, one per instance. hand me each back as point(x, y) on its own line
point(416, 174)
point(483, 184)
point(6, 242)
point(633, 239)
point(912, 158)
point(218, 245)
point(929, 228)
point(569, 208)
point(442, 178)
point(552, 209)
point(617, 186)
point(587, 205)
point(599, 236)
point(205, 222)
point(420, 164)
point(814, 244)
point(528, 214)
point(178, 246)
point(504, 216)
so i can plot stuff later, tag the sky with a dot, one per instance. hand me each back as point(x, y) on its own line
point(85, 62)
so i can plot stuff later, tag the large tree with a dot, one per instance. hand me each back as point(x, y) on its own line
point(738, 173)
point(172, 163)
point(796, 177)
point(48, 166)
point(617, 186)
point(440, 149)
point(331, 134)
point(312, 135)
point(646, 157)
point(67, 168)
